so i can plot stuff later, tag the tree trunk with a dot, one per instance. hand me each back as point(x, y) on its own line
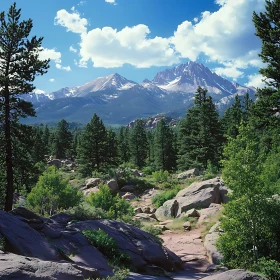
point(9, 159)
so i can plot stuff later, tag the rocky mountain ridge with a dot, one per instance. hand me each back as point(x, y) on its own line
point(118, 100)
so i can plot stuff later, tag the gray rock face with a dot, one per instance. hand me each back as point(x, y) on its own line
point(25, 268)
point(197, 195)
point(146, 217)
point(23, 239)
point(235, 274)
point(188, 174)
point(92, 182)
point(59, 239)
point(143, 249)
point(211, 238)
point(128, 188)
point(113, 186)
point(207, 213)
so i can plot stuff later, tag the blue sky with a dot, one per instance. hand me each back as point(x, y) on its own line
point(137, 38)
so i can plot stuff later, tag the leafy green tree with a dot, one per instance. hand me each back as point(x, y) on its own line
point(164, 153)
point(52, 193)
point(20, 64)
point(62, 146)
point(138, 144)
point(92, 150)
point(200, 137)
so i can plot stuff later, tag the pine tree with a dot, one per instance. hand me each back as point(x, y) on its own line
point(138, 144)
point(112, 148)
point(20, 64)
point(200, 134)
point(164, 153)
point(267, 26)
point(63, 140)
point(123, 144)
point(92, 150)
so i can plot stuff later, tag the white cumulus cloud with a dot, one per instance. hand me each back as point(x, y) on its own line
point(66, 68)
point(72, 21)
point(51, 80)
point(111, 1)
point(72, 49)
point(256, 81)
point(225, 36)
point(52, 54)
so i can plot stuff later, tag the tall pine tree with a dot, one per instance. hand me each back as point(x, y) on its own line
point(92, 150)
point(200, 134)
point(164, 152)
point(138, 144)
point(19, 66)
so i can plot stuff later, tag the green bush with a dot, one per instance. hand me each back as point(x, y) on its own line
point(52, 193)
point(120, 274)
point(269, 268)
point(160, 198)
point(161, 176)
point(84, 211)
point(108, 246)
point(2, 244)
point(148, 170)
point(114, 206)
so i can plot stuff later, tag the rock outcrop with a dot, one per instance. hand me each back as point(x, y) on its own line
point(59, 239)
point(211, 238)
point(20, 267)
point(235, 274)
point(198, 195)
point(188, 174)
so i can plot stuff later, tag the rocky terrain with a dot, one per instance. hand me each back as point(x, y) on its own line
point(55, 248)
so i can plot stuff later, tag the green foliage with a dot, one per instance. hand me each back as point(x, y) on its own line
point(20, 64)
point(164, 150)
point(52, 193)
point(62, 145)
point(161, 176)
point(211, 171)
point(108, 246)
point(84, 211)
point(92, 150)
point(252, 231)
point(114, 206)
point(268, 268)
point(120, 274)
point(138, 144)
point(200, 136)
point(160, 198)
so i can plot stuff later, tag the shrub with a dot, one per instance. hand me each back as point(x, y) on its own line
point(2, 244)
point(161, 176)
point(107, 245)
point(159, 199)
point(84, 211)
point(269, 268)
point(114, 206)
point(52, 193)
point(120, 274)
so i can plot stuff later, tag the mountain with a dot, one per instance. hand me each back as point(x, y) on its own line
point(118, 100)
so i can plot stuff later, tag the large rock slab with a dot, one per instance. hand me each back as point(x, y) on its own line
point(207, 213)
point(143, 248)
point(210, 240)
point(198, 195)
point(23, 239)
point(19, 267)
point(188, 174)
point(92, 182)
point(113, 186)
point(235, 274)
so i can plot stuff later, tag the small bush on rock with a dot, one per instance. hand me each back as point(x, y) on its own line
point(159, 199)
point(108, 246)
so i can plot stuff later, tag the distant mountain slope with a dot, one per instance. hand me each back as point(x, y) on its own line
point(118, 100)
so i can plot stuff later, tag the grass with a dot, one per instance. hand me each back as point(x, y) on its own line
point(212, 221)
point(177, 224)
